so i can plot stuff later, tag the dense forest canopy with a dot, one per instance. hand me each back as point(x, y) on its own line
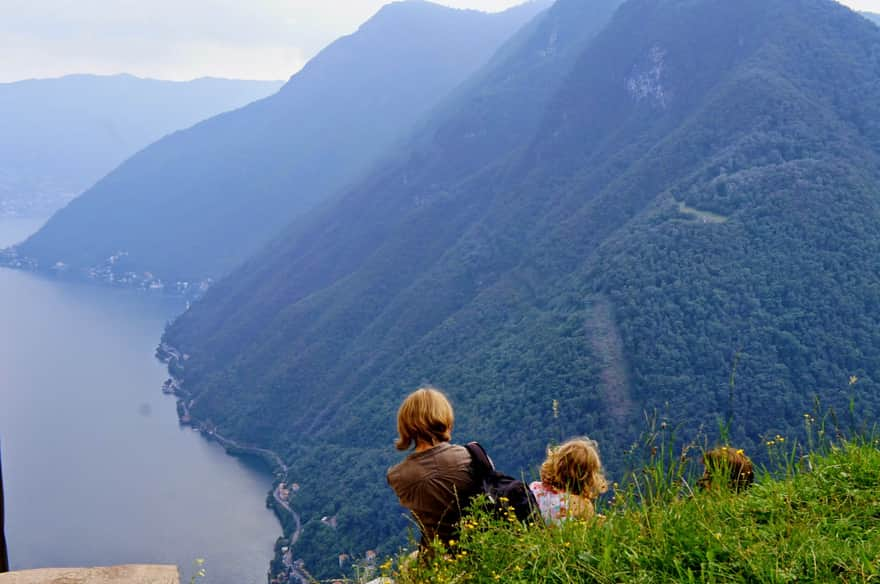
point(193, 205)
point(690, 189)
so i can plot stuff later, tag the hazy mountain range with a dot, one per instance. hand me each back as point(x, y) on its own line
point(59, 136)
point(195, 204)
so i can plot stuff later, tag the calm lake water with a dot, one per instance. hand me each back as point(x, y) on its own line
point(96, 469)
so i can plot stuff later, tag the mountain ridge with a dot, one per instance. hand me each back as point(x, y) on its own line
point(222, 189)
point(63, 134)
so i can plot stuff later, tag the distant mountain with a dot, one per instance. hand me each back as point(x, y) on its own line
point(59, 136)
point(689, 224)
point(195, 204)
point(875, 18)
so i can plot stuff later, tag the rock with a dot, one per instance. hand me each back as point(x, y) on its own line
point(134, 574)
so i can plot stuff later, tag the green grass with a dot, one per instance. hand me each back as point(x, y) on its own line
point(815, 519)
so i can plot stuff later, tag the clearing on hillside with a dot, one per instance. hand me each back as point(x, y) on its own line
point(700, 216)
point(607, 345)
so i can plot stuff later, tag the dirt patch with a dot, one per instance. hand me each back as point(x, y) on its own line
point(701, 216)
point(607, 345)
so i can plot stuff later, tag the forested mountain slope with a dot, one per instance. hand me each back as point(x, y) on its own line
point(59, 136)
point(699, 194)
point(477, 128)
point(198, 202)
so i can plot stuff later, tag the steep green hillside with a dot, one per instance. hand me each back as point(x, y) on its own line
point(697, 196)
point(195, 204)
point(495, 114)
point(59, 136)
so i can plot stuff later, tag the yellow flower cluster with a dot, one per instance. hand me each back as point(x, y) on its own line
point(469, 524)
point(777, 440)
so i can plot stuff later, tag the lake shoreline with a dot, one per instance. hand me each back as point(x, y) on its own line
point(173, 358)
point(181, 498)
point(105, 275)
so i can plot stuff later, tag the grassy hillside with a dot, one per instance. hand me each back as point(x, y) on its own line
point(815, 521)
point(696, 201)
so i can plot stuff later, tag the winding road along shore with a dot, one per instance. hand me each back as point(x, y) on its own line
point(173, 358)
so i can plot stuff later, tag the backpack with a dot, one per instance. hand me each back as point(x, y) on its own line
point(503, 492)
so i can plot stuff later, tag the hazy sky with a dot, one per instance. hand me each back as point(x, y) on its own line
point(183, 39)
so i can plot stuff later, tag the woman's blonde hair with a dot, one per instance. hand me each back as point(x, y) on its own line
point(575, 467)
point(424, 416)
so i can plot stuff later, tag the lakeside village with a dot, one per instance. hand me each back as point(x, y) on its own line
point(285, 569)
point(110, 272)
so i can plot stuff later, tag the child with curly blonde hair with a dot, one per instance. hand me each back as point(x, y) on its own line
point(571, 479)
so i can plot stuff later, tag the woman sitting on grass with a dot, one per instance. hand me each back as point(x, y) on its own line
point(727, 467)
point(436, 481)
point(571, 479)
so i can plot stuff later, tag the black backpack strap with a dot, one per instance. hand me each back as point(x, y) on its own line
point(4, 558)
point(483, 465)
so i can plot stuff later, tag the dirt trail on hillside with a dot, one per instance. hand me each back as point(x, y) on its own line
point(607, 345)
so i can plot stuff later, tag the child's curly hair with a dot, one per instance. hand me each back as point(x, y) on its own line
point(575, 467)
point(727, 465)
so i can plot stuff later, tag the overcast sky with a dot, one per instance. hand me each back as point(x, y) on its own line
point(184, 39)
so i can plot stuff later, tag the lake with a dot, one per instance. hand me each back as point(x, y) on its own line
point(97, 470)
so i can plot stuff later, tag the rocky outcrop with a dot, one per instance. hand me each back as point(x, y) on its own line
point(134, 574)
